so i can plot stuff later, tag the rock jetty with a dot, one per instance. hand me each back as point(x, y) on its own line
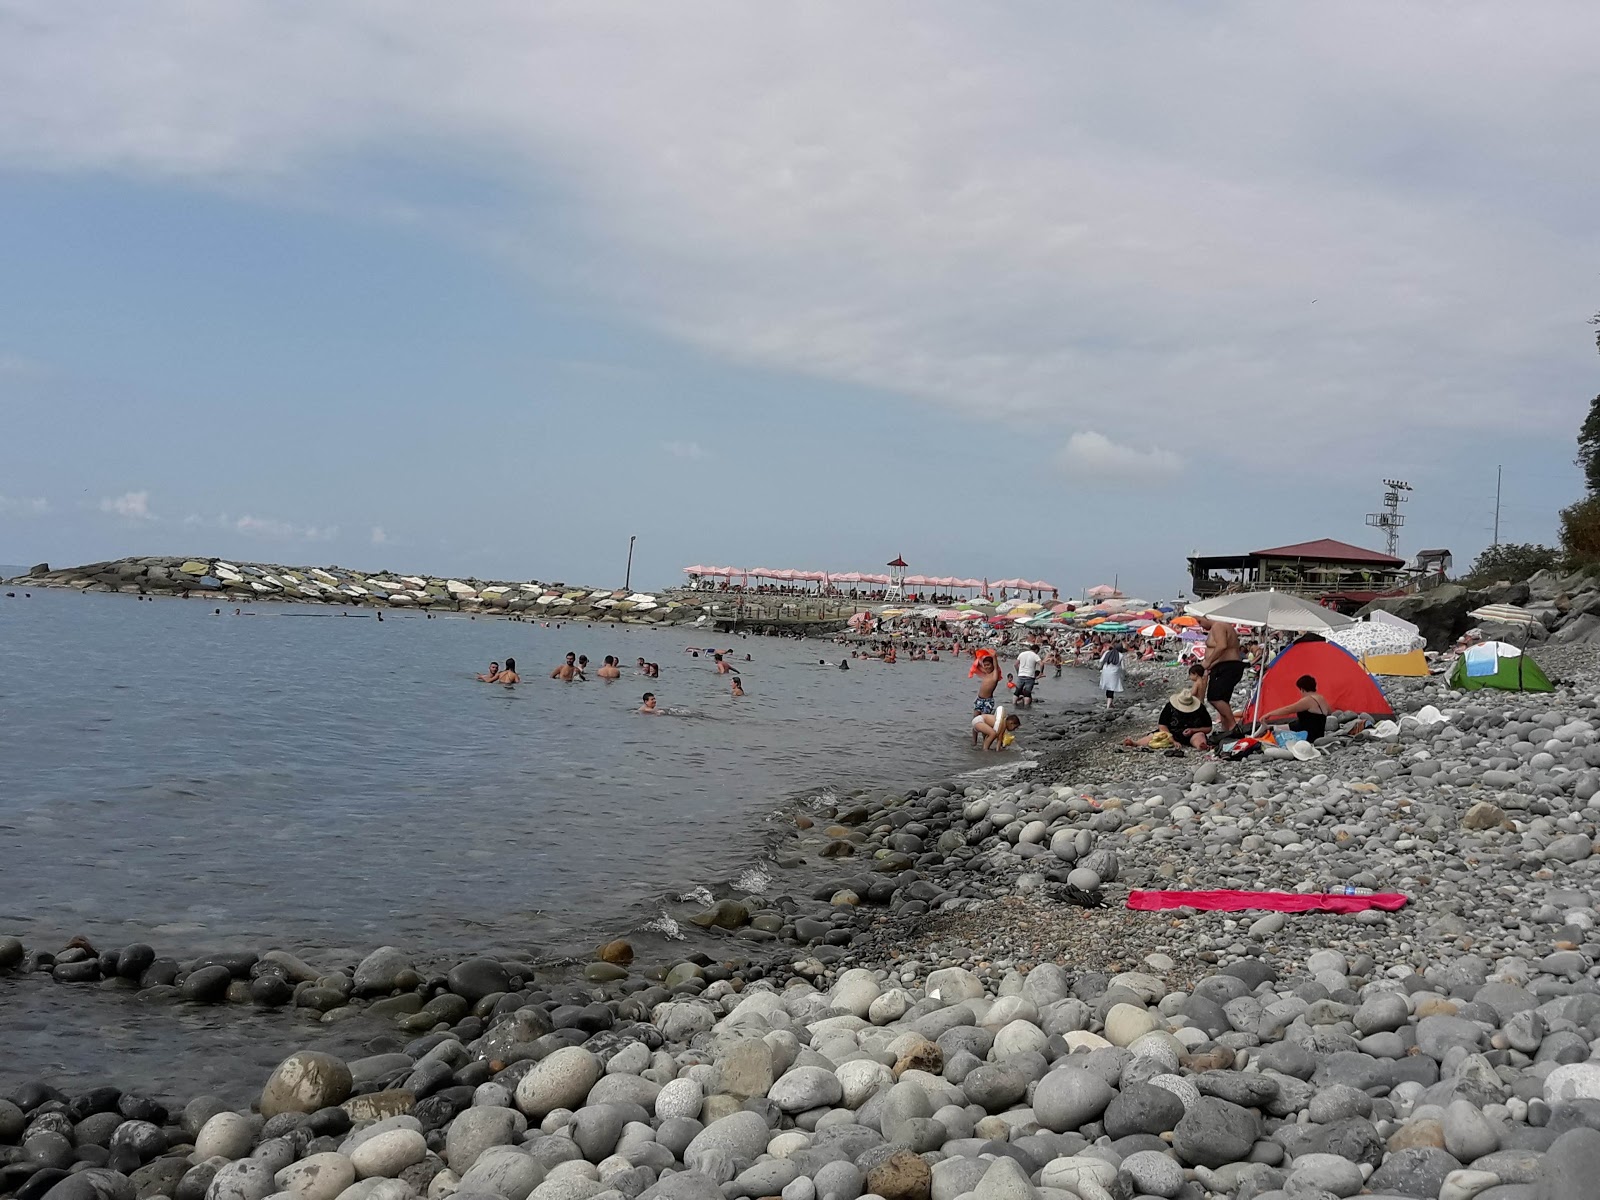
point(963, 1011)
point(235, 583)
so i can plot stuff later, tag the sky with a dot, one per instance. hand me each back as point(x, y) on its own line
point(1065, 291)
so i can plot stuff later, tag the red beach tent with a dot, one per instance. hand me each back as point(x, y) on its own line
point(1339, 674)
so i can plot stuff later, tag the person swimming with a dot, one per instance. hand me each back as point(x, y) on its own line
point(738, 688)
point(844, 664)
point(493, 676)
point(609, 669)
point(568, 671)
point(722, 667)
point(508, 674)
point(649, 706)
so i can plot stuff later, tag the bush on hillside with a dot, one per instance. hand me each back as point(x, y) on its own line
point(1512, 562)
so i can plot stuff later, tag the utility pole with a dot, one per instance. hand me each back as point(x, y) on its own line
point(627, 579)
point(1497, 471)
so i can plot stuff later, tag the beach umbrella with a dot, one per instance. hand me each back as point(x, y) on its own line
point(1193, 635)
point(880, 580)
point(697, 569)
point(1271, 610)
point(1101, 590)
point(1185, 621)
point(1158, 630)
point(1503, 614)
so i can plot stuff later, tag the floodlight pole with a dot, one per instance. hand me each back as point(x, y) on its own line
point(627, 578)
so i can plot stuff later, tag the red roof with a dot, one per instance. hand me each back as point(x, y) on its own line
point(1330, 551)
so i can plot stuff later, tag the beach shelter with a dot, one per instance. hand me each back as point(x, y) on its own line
point(1340, 678)
point(1412, 664)
point(1498, 665)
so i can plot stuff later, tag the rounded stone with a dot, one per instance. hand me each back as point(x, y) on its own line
point(386, 1155)
point(1070, 1097)
point(561, 1080)
point(226, 1135)
point(304, 1082)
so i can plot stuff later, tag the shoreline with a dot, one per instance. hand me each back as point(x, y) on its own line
point(959, 980)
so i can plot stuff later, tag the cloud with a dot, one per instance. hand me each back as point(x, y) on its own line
point(24, 506)
point(940, 203)
point(273, 529)
point(685, 449)
point(1090, 453)
point(379, 536)
point(265, 528)
point(134, 506)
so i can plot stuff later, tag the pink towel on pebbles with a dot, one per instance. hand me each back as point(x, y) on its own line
point(1225, 901)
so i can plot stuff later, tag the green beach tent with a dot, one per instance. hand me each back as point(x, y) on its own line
point(1514, 672)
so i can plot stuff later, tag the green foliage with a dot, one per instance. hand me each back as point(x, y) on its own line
point(1512, 561)
point(1589, 447)
point(1580, 532)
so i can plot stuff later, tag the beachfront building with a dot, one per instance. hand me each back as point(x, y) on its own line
point(1333, 572)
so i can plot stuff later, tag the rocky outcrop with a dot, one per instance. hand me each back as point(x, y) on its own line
point(1440, 615)
point(1566, 609)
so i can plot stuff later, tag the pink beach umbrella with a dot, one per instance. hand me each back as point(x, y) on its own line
point(847, 577)
point(880, 580)
point(697, 569)
point(1101, 591)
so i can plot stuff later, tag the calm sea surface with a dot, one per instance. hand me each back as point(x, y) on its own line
point(324, 782)
point(312, 779)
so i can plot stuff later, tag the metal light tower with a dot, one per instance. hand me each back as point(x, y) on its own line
point(1390, 519)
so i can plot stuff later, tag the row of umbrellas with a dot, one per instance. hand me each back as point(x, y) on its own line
point(785, 575)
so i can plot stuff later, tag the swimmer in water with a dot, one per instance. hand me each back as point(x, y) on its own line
point(609, 669)
point(722, 667)
point(568, 670)
point(493, 676)
point(583, 667)
point(844, 664)
point(649, 706)
point(738, 688)
point(509, 675)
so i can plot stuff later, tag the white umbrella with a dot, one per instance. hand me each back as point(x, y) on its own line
point(1271, 610)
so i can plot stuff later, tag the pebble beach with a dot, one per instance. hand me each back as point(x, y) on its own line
point(958, 1004)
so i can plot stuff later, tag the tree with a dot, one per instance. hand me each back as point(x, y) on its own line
point(1589, 447)
point(1512, 561)
point(1580, 532)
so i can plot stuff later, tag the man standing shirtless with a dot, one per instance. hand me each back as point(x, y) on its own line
point(568, 670)
point(1224, 668)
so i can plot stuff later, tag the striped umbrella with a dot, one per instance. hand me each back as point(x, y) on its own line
point(1503, 614)
point(1158, 630)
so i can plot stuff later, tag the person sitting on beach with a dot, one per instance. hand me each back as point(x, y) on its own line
point(649, 706)
point(738, 688)
point(1310, 711)
point(609, 669)
point(992, 729)
point(493, 676)
point(509, 675)
point(568, 670)
point(1183, 720)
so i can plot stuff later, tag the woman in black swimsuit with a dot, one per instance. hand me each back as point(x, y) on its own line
point(1309, 713)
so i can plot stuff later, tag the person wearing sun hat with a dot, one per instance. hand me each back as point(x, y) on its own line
point(1183, 720)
